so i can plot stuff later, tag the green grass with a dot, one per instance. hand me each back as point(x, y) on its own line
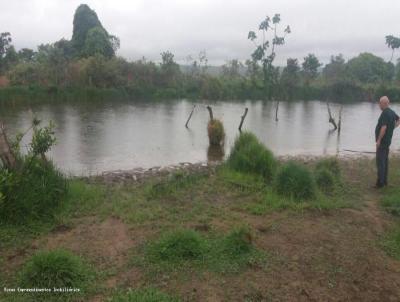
point(142, 295)
point(330, 164)
point(391, 202)
point(248, 155)
point(32, 193)
point(55, 269)
point(270, 201)
point(189, 250)
point(296, 181)
point(177, 246)
point(174, 185)
point(326, 181)
point(391, 243)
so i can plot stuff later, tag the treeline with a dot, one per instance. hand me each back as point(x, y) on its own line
point(87, 63)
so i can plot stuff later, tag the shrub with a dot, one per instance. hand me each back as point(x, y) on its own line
point(143, 295)
point(31, 193)
point(331, 164)
point(238, 242)
point(250, 156)
point(55, 269)
point(295, 181)
point(216, 132)
point(325, 180)
point(178, 245)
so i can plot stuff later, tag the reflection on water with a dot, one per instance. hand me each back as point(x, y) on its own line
point(94, 137)
point(215, 153)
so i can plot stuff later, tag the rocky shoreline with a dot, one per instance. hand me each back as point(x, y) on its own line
point(139, 175)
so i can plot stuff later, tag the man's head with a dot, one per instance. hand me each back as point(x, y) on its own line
point(384, 102)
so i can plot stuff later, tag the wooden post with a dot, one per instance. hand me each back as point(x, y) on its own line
point(210, 112)
point(276, 112)
point(242, 119)
point(6, 154)
point(190, 116)
point(331, 119)
point(340, 119)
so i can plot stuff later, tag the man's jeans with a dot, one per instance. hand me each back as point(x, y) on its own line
point(382, 165)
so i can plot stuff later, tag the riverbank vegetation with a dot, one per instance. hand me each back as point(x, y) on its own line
point(87, 67)
point(235, 232)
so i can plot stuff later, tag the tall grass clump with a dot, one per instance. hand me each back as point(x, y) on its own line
point(34, 188)
point(55, 269)
point(328, 175)
point(330, 164)
point(143, 295)
point(296, 181)
point(216, 132)
point(178, 245)
point(325, 180)
point(248, 155)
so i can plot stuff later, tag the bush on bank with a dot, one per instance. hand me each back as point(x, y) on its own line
point(35, 187)
point(249, 155)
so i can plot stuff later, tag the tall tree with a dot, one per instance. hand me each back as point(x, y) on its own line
point(393, 43)
point(310, 67)
point(335, 70)
point(265, 51)
point(169, 69)
point(5, 44)
point(26, 55)
point(368, 68)
point(232, 69)
point(98, 42)
point(290, 77)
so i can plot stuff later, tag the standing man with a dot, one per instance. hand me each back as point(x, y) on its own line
point(387, 121)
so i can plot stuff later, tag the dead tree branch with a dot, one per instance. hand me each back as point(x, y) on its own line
point(190, 116)
point(242, 119)
point(331, 119)
point(340, 119)
point(276, 112)
point(210, 112)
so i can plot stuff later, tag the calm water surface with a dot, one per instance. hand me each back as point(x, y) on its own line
point(96, 137)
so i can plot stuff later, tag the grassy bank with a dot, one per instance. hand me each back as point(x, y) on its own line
point(222, 235)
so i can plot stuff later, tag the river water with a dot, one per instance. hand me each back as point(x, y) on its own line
point(100, 136)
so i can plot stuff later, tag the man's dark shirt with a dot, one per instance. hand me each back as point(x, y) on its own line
point(388, 117)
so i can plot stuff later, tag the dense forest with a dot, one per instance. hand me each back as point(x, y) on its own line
point(87, 66)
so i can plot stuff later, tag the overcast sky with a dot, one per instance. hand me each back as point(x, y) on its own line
point(220, 27)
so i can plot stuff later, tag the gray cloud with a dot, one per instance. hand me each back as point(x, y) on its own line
point(185, 27)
